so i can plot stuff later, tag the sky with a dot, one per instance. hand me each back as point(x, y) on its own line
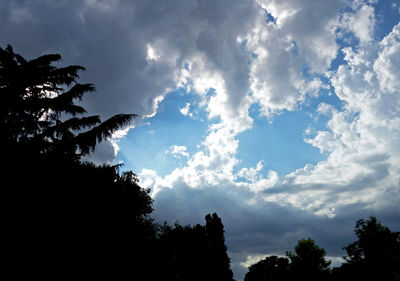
point(281, 116)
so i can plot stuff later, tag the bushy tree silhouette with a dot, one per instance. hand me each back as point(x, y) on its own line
point(271, 268)
point(308, 262)
point(374, 256)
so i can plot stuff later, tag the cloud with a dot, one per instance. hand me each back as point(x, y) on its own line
point(352, 135)
point(282, 50)
point(132, 60)
point(210, 50)
point(178, 151)
point(359, 175)
point(324, 108)
point(363, 162)
point(361, 23)
point(387, 66)
point(185, 110)
point(304, 22)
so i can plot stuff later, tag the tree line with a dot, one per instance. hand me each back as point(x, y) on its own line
point(375, 255)
point(64, 217)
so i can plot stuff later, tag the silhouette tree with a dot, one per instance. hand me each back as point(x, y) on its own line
point(194, 253)
point(374, 256)
point(308, 262)
point(65, 217)
point(271, 268)
point(69, 218)
point(36, 98)
point(219, 260)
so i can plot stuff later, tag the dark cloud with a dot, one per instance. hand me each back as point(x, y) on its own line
point(110, 40)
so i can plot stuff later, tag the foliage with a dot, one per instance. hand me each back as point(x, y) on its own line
point(376, 253)
point(218, 259)
point(308, 262)
point(271, 268)
point(63, 216)
point(195, 253)
point(68, 218)
point(37, 97)
point(374, 256)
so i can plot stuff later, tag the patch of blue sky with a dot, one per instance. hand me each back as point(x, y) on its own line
point(279, 144)
point(268, 16)
point(339, 60)
point(146, 145)
point(387, 14)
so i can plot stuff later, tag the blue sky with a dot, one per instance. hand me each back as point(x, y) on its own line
point(278, 142)
point(151, 141)
point(281, 116)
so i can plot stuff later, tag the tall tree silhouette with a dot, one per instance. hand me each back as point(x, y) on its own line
point(194, 252)
point(219, 260)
